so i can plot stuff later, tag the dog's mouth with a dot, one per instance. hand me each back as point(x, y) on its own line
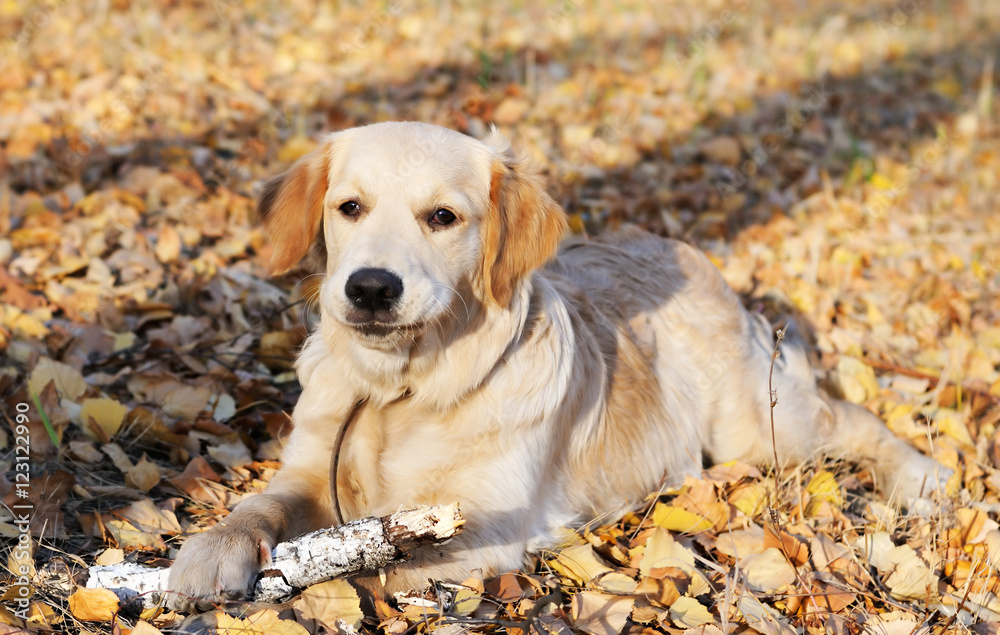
point(381, 330)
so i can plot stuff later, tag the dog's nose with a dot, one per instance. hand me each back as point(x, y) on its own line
point(373, 289)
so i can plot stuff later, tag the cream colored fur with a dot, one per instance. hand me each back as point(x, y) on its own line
point(537, 395)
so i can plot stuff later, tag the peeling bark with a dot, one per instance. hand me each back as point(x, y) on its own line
point(360, 545)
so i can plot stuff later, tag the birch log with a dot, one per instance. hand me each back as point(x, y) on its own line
point(360, 545)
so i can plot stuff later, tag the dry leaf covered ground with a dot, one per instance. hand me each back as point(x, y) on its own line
point(840, 158)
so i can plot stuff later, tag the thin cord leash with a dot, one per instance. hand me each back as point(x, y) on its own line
point(335, 467)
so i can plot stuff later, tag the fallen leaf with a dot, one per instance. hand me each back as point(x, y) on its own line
point(93, 605)
point(581, 564)
point(661, 591)
point(186, 402)
point(195, 479)
point(232, 453)
point(823, 487)
point(679, 520)
point(68, 380)
point(225, 408)
point(951, 423)
point(907, 575)
point(510, 110)
point(85, 451)
point(762, 618)
point(600, 614)
point(269, 623)
point(118, 457)
point(663, 551)
point(689, 613)
point(741, 543)
point(229, 625)
point(855, 379)
point(105, 412)
point(295, 148)
point(749, 498)
point(768, 571)
point(330, 601)
point(146, 516)
point(143, 627)
point(168, 244)
point(110, 556)
point(144, 475)
point(894, 623)
point(467, 600)
point(721, 149)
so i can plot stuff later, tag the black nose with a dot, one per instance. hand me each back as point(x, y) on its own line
point(373, 289)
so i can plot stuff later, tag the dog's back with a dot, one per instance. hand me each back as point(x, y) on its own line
point(689, 375)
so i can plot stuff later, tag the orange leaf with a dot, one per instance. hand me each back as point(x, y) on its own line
point(93, 605)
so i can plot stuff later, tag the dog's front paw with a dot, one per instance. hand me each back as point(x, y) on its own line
point(217, 565)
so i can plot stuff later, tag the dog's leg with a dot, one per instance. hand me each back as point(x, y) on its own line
point(808, 424)
point(903, 473)
point(223, 562)
point(849, 431)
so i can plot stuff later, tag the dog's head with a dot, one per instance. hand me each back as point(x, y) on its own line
point(412, 217)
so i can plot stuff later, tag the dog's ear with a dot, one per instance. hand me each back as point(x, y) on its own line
point(524, 225)
point(290, 207)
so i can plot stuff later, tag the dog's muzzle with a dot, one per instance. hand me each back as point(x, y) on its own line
point(373, 295)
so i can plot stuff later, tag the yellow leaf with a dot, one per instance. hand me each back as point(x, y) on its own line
point(949, 87)
point(330, 601)
point(124, 340)
point(566, 537)
point(23, 324)
point(467, 601)
point(105, 412)
point(875, 316)
point(41, 614)
point(663, 551)
point(21, 562)
point(855, 379)
point(229, 625)
point(295, 148)
point(93, 605)
point(749, 498)
point(825, 486)
point(270, 624)
point(145, 628)
point(679, 520)
point(579, 563)
point(951, 423)
point(689, 613)
point(824, 489)
point(881, 181)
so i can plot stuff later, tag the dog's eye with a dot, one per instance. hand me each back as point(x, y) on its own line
point(350, 208)
point(442, 217)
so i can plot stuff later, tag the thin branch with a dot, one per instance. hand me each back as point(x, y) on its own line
point(779, 336)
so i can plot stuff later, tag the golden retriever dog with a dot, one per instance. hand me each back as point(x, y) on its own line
point(474, 356)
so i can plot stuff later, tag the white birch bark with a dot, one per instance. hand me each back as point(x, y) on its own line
point(360, 545)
